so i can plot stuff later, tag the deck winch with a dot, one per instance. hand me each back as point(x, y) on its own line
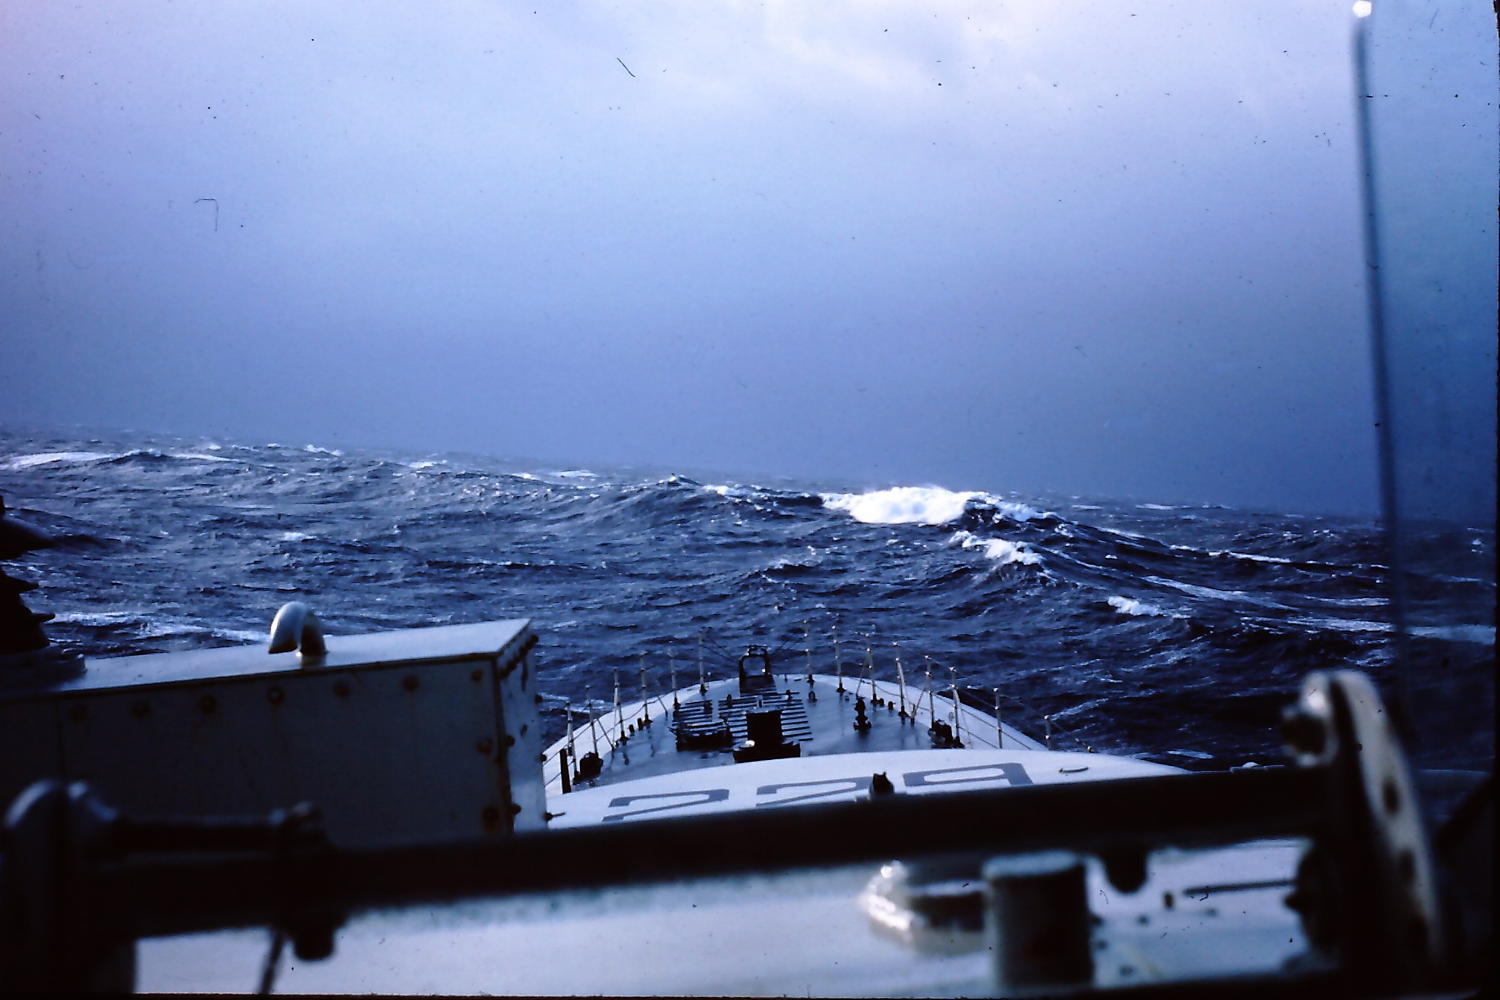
point(764, 739)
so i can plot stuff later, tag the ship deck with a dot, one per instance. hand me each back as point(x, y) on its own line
point(639, 739)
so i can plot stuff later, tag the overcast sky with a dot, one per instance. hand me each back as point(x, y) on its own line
point(1106, 249)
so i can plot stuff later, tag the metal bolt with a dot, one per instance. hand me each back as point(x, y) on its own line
point(77, 713)
point(485, 745)
point(515, 810)
point(490, 817)
point(208, 704)
point(140, 709)
point(476, 676)
point(275, 695)
point(410, 682)
point(341, 688)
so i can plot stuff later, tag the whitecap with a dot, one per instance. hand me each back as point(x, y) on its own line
point(240, 635)
point(1207, 592)
point(1155, 506)
point(1344, 624)
point(318, 450)
point(1131, 606)
point(1352, 602)
point(902, 505)
point(58, 458)
point(419, 466)
point(95, 618)
point(194, 456)
point(1013, 510)
point(1223, 553)
point(1001, 550)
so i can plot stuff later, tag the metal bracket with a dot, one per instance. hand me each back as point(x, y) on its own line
point(1368, 890)
point(59, 839)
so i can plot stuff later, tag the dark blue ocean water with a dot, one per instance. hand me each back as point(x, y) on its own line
point(1172, 631)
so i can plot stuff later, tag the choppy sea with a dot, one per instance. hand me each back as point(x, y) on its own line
point(1169, 631)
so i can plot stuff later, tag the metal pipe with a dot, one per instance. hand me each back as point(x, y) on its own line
point(901, 680)
point(196, 893)
point(958, 729)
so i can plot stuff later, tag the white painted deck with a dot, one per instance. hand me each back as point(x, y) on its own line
point(652, 750)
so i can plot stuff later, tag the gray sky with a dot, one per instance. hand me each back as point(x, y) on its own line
point(1108, 249)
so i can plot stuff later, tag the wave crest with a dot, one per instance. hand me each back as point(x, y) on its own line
point(903, 505)
point(1001, 550)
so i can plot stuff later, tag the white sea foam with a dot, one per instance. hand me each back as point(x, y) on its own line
point(240, 635)
point(1343, 624)
point(1001, 550)
point(295, 536)
point(813, 558)
point(319, 450)
point(198, 457)
point(902, 505)
point(1220, 553)
point(1352, 602)
point(1131, 606)
point(96, 617)
point(1208, 592)
point(1155, 506)
point(57, 458)
point(1014, 511)
point(584, 474)
point(429, 464)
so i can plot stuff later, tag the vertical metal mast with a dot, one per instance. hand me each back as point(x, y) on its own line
point(672, 668)
point(645, 695)
point(619, 711)
point(901, 681)
point(838, 660)
point(958, 727)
